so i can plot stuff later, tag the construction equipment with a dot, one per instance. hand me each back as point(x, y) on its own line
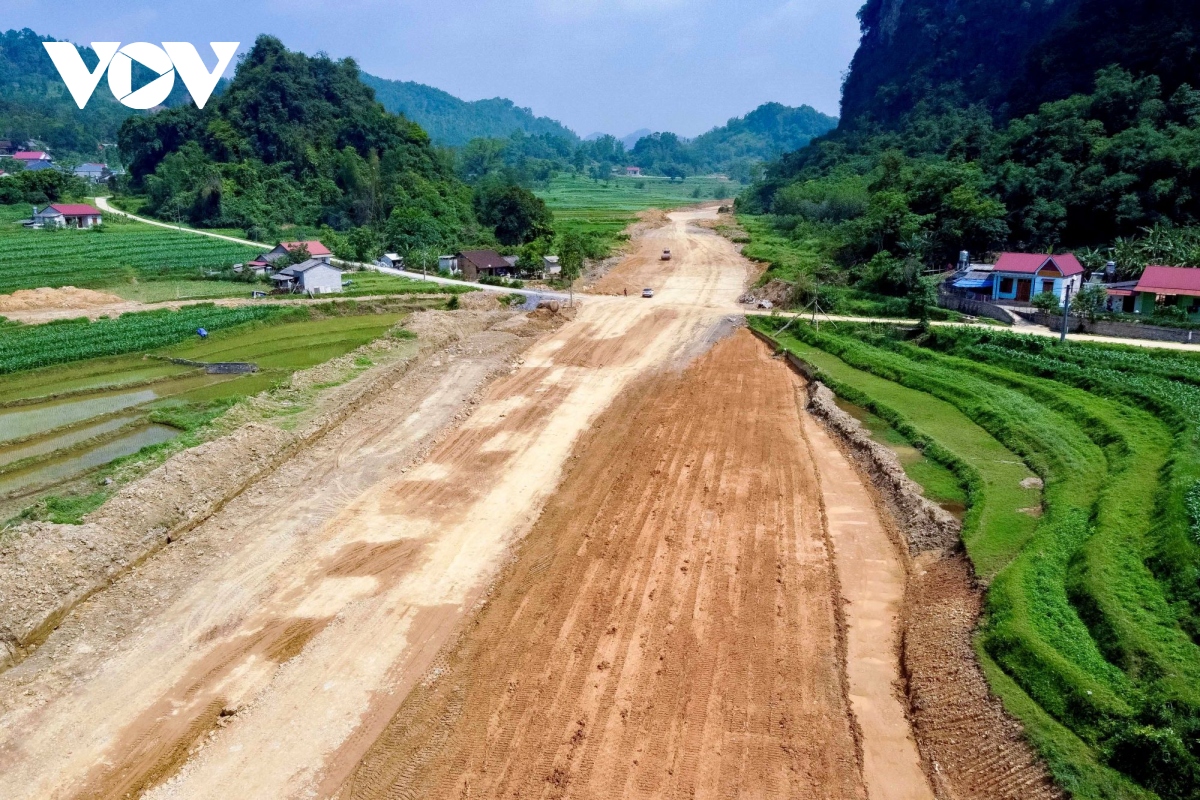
point(666, 256)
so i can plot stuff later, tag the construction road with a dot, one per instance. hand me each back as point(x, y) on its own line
point(636, 569)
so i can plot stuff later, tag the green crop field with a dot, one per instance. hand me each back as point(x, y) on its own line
point(118, 252)
point(28, 346)
point(604, 209)
point(1093, 606)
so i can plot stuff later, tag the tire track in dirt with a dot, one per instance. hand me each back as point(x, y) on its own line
point(667, 629)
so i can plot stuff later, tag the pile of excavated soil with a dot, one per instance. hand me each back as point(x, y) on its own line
point(668, 628)
point(63, 297)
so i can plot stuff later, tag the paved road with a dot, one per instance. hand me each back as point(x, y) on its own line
point(103, 204)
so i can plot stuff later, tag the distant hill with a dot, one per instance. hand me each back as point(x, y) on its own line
point(632, 139)
point(454, 122)
point(765, 133)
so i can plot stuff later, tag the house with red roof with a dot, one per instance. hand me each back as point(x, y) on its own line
point(1018, 277)
point(1169, 285)
point(27, 156)
point(66, 215)
point(267, 261)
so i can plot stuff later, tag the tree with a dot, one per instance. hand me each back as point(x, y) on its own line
point(1090, 301)
point(516, 214)
point(571, 252)
point(296, 255)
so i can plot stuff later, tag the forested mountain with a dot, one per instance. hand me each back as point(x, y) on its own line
point(765, 133)
point(35, 103)
point(1010, 57)
point(994, 125)
point(298, 140)
point(453, 122)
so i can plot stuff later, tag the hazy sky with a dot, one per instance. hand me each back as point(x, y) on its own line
point(596, 65)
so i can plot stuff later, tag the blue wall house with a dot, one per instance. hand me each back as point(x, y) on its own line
point(1019, 277)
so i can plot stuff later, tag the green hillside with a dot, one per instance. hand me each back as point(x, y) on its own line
point(298, 141)
point(453, 122)
point(1045, 127)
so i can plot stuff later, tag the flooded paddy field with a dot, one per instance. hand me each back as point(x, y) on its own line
point(59, 424)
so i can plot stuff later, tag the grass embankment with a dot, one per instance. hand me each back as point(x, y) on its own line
point(1085, 642)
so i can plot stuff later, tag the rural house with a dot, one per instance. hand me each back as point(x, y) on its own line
point(313, 276)
point(65, 215)
point(633, 171)
point(391, 261)
point(266, 262)
point(476, 264)
point(1018, 277)
point(34, 160)
point(92, 171)
point(1169, 286)
point(551, 266)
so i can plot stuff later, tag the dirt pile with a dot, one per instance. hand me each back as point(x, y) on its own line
point(66, 297)
point(667, 629)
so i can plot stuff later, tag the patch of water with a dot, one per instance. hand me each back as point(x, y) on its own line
point(20, 422)
point(65, 467)
point(47, 445)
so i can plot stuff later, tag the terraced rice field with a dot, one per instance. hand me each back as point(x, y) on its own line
point(1092, 611)
point(60, 422)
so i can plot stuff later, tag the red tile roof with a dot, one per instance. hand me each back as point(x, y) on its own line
point(315, 248)
point(31, 155)
point(485, 259)
point(76, 210)
point(1170, 280)
point(1030, 263)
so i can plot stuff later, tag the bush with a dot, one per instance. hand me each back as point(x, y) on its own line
point(1047, 302)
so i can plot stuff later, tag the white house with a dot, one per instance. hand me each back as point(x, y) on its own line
point(309, 277)
point(66, 215)
point(391, 261)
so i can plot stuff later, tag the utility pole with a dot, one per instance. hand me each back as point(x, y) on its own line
point(1066, 314)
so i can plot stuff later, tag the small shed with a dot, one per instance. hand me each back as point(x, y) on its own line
point(391, 261)
point(313, 276)
point(448, 263)
point(551, 266)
